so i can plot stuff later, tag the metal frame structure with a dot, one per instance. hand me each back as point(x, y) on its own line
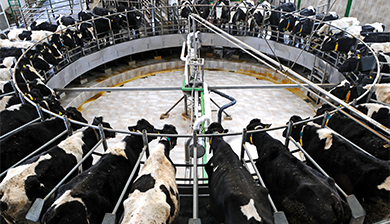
point(98, 48)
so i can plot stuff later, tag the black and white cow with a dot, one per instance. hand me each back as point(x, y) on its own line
point(292, 184)
point(92, 193)
point(348, 92)
point(44, 26)
point(337, 26)
point(19, 44)
point(154, 197)
point(357, 134)
point(134, 17)
point(221, 12)
point(65, 20)
point(235, 197)
point(25, 141)
point(46, 53)
point(338, 44)
point(377, 112)
point(260, 15)
point(276, 16)
point(355, 172)
point(377, 37)
point(84, 16)
point(17, 115)
point(186, 8)
point(35, 35)
point(10, 52)
point(37, 61)
point(13, 34)
point(102, 11)
point(203, 8)
point(382, 92)
point(36, 177)
point(327, 17)
point(240, 13)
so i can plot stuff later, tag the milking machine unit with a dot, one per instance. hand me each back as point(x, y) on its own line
point(199, 110)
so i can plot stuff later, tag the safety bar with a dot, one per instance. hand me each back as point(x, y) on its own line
point(6, 94)
point(171, 88)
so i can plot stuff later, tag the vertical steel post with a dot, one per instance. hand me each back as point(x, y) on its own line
point(288, 133)
point(103, 137)
point(67, 125)
point(242, 143)
point(39, 110)
point(195, 184)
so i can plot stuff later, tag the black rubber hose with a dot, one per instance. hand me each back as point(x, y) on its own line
point(233, 101)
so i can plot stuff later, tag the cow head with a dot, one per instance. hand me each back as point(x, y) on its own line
point(296, 129)
point(255, 124)
point(172, 141)
point(76, 115)
point(99, 121)
point(52, 104)
point(216, 128)
point(144, 125)
point(341, 90)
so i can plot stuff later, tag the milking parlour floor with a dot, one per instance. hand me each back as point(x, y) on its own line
point(122, 109)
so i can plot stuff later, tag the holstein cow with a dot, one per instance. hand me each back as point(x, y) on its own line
point(13, 34)
point(377, 37)
point(221, 12)
point(347, 92)
point(92, 193)
point(342, 44)
point(357, 134)
point(203, 8)
point(336, 26)
point(10, 52)
point(235, 197)
point(382, 92)
point(377, 112)
point(17, 115)
point(19, 44)
point(240, 14)
point(260, 15)
point(36, 177)
point(305, 195)
point(186, 8)
point(154, 197)
point(65, 20)
point(35, 35)
point(276, 16)
point(355, 172)
point(44, 26)
point(23, 142)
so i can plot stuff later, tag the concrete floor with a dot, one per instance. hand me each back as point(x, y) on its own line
point(122, 109)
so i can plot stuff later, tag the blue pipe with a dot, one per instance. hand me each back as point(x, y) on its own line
point(224, 106)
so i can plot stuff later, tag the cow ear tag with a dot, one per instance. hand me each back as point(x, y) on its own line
point(60, 113)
